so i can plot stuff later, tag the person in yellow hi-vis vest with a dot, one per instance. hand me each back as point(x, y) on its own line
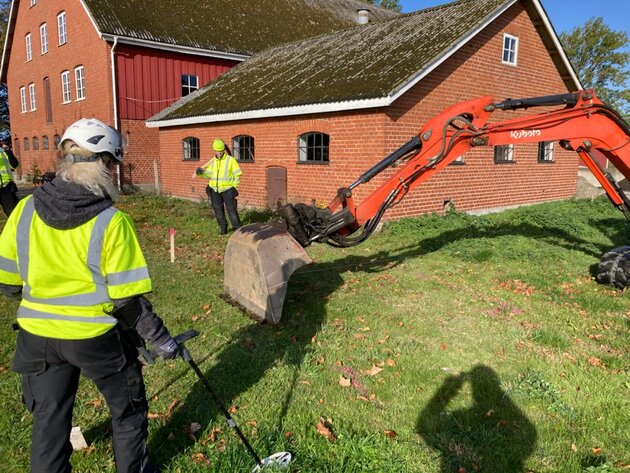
point(8, 189)
point(224, 175)
point(75, 262)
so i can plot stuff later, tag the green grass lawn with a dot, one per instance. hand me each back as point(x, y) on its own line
point(443, 343)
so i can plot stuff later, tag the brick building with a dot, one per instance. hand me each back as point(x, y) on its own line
point(123, 62)
point(309, 117)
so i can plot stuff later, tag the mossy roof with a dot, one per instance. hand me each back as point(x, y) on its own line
point(365, 62)
point(233, 26)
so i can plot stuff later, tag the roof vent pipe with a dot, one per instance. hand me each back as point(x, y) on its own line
point(363, 16)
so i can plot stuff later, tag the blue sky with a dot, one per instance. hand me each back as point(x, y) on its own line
point(564, 14)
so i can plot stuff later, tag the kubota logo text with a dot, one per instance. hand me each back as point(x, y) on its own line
point(518, 134)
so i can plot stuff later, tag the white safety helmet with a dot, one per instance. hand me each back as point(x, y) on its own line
point(95, 136)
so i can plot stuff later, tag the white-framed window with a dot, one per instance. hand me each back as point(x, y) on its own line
point(243, 147)
point(545, 152)
point(23, 99)
point(65, 87)
point(510, 49)
point(43, 36)
point(62, 32)
point(504, 154)
point(29, 47)
point(79, 80)
point(189, 84)
point(33, 99)
point(313, 147)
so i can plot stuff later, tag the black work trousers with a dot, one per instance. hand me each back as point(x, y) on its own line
point(227, 199)
point(50, 370)
point(8, 197)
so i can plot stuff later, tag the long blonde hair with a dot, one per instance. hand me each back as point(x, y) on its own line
point(95, 176)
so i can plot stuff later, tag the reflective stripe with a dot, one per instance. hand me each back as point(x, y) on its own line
point(95, 249)
point(8, 265)
point(26, 313)
point(125, 277)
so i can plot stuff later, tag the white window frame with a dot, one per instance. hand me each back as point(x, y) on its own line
point(23, 99)
point(32, 97)
point(66, 96)
point(545, 152)
point(509, 53)
point(504, 154)
point(43, 36)
point(79, 80)
point(62, 31)
point(187, 85)
point(29, 47)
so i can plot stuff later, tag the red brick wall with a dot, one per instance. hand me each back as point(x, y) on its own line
point(360, 139)
point(82, 48)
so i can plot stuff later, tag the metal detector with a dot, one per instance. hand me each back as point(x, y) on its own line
point(277, 461)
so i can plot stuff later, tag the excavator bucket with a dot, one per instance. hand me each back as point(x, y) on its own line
point(259, 260)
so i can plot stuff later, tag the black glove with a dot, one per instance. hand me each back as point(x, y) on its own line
point(199, 171)
point(168, 350)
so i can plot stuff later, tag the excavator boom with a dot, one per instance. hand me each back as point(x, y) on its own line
point(581, 123)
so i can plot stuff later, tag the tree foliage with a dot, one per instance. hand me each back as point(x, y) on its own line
point(596, 52)
point(5, 8)
point(389, 4)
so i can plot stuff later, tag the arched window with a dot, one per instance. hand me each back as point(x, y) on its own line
point(27, 144)
point(45, 144)
point(313, 147)
point(190, 149)
point(35, 143)
point(243, 147)
point(56, 140)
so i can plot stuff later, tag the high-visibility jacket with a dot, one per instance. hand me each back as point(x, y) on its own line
point(6, 174)
point(223, 173)
point(70, 277)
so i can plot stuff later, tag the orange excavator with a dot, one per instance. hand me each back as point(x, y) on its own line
point(260, 258)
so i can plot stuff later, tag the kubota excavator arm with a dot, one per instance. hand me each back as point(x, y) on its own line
point(584, 125)
point(260, 258)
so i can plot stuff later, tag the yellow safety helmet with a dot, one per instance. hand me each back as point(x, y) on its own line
point(218, 145)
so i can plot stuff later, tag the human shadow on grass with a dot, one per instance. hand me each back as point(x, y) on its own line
point(491, 434)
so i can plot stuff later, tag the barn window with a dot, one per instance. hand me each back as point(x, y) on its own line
point(504, 154)
point(45, 143)
point(23, 99)
point(190, 148)
point(313, 147)
point(29, 47)
point(79, 79)
point(33, 99)
point(35, 143)
point(545, 152)
point(27, 144)
point(43, 36)
point(65, 87)
point(189, 84)
point(62, 32)
point(510, 49)
point(56, 140)
point(243, 146)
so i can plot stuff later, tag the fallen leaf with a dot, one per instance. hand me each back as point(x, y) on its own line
point(596, 450)
point(200, 458)
point(359, 336)
point(171, 406)
point(288, 434)
point(206, 306)
point(391, 362)
point(233, 410)
point(253, 423)
point(443, 346)
point(374, 370)
point(364, 329)
point(345, 382)
point(574, 447)
point(391, 434)
point(153, 415)
point(324, 427)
